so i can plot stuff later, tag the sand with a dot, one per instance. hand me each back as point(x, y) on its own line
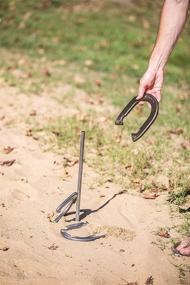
point(32, 251)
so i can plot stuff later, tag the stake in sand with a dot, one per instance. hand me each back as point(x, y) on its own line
point(80, 171)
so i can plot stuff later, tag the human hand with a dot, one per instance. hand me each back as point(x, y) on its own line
point(151, 82)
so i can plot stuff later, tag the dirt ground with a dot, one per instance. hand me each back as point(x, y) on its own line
point(32, 250)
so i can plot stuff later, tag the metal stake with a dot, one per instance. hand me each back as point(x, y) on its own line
point(81, 157)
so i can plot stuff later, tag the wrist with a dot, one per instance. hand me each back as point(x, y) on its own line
point(158, 58)
point(155, 66)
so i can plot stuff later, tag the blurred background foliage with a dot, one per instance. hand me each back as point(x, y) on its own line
point(115, 35)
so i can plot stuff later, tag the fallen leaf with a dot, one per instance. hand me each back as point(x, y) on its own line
point(128, 166)
point(29, 75)
point(98, 82)
point(57, 133)
point(114, 75)
point(178, 108)
point(186, 145)
point(150, 195)
point(136, 181)
point(177, 131)
point(5, 248)
point(33, 113)
point(7, 162)
point(122, 250)
point(8, 149)
point(29, 133)
point(72, 163)
point(47, 72)
point(53, 247)
point(50, 216)
point(149, 281)
point(164, 233)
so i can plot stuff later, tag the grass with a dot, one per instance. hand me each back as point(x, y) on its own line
point(185, 228)
point(178, 198)
point(45, 43)
point(114, 42)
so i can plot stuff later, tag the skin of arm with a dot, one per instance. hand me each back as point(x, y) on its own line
point(173, 18)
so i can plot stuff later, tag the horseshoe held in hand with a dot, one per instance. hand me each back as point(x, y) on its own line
point(150, 120)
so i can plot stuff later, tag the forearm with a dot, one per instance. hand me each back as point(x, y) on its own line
point(173, 18)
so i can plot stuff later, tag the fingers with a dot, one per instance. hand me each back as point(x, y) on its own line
point(158, 96)
point(155, 93)
point(151, 82)
point(141, 90)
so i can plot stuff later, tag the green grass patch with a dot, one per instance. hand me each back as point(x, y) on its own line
point(45, 43)
point(115, 39)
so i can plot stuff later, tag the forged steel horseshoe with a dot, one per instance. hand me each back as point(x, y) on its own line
point(77, 238)
point(65, 206)
point(150, 120)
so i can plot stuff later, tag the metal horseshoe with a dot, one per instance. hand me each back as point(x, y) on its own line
point(77, 238)
point(65, 206)
point(150, 120)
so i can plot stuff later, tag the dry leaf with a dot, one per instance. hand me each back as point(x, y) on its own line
point(57, 133)
point(149, 281)
point(5, 248)
point(53, 247)
point(46, 72)
point(33, 113)
point(186, 145)
point(177, 131)
point(150, 195)
point(8, 149)
point(98, 82)
point(29, 133)
point(7, 162)
point(164, 233)
point(178, 108)
point(50, 216)
point(72, 163)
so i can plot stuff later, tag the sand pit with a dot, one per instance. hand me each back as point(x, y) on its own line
point(32, 250)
